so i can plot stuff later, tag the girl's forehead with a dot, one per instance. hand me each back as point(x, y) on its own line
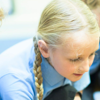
point(81, 41)
point(82, 37)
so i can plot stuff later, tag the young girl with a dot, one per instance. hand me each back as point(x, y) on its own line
point(64, 49)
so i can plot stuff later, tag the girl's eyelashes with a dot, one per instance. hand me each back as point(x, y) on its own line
point(93, 54)
point(78, 59)
point(74, 60)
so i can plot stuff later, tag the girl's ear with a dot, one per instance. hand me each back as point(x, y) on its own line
point(44, 49)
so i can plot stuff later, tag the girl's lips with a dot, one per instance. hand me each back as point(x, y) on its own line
point(78, 74)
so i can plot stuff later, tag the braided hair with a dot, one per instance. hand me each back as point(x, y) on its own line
point(37, 71)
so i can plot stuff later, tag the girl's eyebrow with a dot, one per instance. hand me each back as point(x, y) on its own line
point(80, 56)
point(96, 49)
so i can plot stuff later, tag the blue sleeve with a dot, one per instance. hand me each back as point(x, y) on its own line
point(13, 88)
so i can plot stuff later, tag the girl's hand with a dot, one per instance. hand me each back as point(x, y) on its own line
point(77, 97)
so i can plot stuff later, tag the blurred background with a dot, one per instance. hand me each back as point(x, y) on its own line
point(21, 20)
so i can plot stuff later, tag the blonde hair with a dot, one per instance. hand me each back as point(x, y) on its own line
point(92, 3)
point(59, 18)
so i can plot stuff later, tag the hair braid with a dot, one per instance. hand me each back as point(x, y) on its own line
point(37, 71)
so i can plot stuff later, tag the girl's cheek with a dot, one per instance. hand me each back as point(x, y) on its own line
point(75, 65)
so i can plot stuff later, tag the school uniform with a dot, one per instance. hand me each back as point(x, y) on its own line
point(17, 77)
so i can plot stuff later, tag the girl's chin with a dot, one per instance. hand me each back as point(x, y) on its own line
point(75, 79)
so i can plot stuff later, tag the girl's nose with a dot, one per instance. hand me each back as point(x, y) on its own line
point(85, 65)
